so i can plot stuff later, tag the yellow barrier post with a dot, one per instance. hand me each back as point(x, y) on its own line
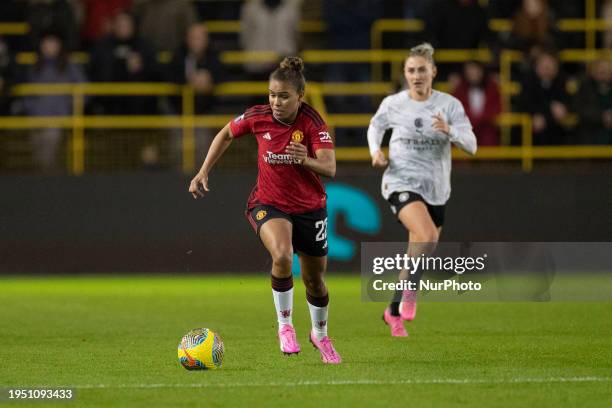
point(188, 144)
point(590, 31)
point(506, 59)
point(376, 44)
point(527, 143)
point(78, 134)
point(315, 94)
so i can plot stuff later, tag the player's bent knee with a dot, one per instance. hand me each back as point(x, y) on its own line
point(432, 236)
point(429, 236)
point(282, 259)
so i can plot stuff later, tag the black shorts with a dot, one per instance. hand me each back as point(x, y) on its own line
point(309, 229)
point(399, 200)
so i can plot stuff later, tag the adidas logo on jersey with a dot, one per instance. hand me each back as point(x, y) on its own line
point(267, 136)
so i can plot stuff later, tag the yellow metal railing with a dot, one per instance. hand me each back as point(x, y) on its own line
point(374, 57)
point(234, 26)
point(16, 28)
point(78, 122)
point(214, 26)
point(590, 25)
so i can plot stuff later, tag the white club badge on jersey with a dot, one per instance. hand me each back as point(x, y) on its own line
point(403, 197)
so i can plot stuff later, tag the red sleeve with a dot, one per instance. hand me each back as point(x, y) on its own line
point(320, 138)
point(241, 126)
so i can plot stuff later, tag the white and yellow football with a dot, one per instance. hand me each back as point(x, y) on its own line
point(201, 349)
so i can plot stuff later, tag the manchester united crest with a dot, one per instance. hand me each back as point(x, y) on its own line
point(297, 136)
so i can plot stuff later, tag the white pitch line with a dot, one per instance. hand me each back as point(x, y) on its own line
point(466, 381)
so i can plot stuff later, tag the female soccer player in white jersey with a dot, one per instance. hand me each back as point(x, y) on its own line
point(288, 206)
point(416, 181)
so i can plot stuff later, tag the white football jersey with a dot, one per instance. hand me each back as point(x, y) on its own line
point(419, 155)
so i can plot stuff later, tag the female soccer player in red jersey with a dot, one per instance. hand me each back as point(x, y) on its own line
point(287, 207)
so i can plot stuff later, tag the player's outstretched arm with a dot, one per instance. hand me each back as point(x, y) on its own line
point(324, 163)
point(220, 143)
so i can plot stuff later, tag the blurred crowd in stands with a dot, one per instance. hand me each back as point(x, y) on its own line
point(124, 38)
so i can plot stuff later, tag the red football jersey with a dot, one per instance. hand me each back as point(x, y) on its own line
point(281, 181)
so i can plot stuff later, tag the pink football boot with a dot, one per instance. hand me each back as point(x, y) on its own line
point(395, 323)
point(326, 348)
point(408, 305)
point(288, 341)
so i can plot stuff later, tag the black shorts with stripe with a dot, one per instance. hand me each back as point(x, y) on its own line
point(400, 199)
point(309, 233)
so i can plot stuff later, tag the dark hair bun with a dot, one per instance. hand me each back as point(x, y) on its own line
point(293, 64)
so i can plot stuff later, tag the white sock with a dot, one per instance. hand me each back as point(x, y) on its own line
point(318, 317)
point(283, 302)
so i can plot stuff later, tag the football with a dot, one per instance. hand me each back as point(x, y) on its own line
point(201, 349)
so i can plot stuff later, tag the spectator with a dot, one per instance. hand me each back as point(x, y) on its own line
point(532, 25)
point(593, 103)
point(269, 25)
point(52, 66)
point(480, 95)
point(98, 16)
point(164, 22)
point(196, 63)
point(544, 96)
point(124, 57)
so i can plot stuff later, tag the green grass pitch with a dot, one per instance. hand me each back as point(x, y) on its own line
point(115, 340)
